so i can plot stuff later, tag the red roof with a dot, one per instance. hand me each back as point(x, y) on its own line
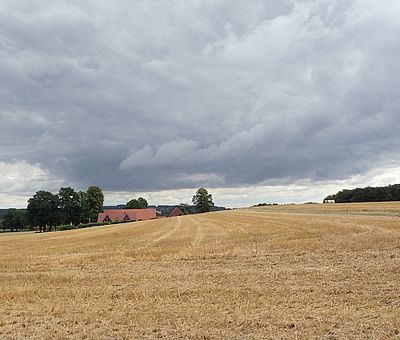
point(126, 214)
point(176, 212)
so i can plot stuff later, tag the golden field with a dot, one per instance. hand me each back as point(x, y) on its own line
point(280, 272)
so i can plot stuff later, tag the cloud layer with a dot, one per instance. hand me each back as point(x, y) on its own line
point(150, 95)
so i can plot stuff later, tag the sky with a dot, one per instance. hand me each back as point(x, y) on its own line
point(257, 101)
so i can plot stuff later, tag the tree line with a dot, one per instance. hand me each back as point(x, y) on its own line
point(47, 211)
point(368, 194)
point(14, 220)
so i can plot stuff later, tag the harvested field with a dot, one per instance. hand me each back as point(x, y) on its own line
point(301, 271)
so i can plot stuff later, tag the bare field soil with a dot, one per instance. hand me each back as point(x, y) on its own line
point(282, 272)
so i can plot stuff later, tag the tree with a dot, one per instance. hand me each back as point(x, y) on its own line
point(93, 202)
point(14, 219)
point(132, 204)
point(142, 203)
point(70, 207)
point(185, 208)
point(84, 207)
point(139, 203)
point(43, 210)
point(202, 200)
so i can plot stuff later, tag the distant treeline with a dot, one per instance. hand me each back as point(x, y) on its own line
point(264, 204)
point(47, 211)
point(368, 194)
point(2, 212)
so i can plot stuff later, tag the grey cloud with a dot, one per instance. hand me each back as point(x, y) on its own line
point(150, 95)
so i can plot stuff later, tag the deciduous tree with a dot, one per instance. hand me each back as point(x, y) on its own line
point(202, 200)
point(70, 207)
point(185, 208)
point(43, 210)
point(94, 200)
point(14, 219)
point(139, 203)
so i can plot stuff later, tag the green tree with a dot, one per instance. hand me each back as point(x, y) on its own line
point(93, 202)
point(142, 203)
point(14, 219)
point(84, 208)
point(43, 210)
point(139, 203)
point(132, 204)
point(70, 206)
point(186, 209)
point(202, 200)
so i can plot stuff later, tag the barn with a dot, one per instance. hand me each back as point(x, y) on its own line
point(176, 212)
point(114, 215)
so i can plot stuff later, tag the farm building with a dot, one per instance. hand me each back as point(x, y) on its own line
point(329, 201)
point(176, 212)
point(126, 215)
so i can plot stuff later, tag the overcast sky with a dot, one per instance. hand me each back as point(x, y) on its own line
point(258, 101)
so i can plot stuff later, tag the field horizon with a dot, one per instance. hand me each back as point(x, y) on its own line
point(317, 271)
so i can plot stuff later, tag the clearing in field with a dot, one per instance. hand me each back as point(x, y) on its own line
point(302, 271)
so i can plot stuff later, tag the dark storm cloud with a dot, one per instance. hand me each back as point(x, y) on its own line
point(150, 95)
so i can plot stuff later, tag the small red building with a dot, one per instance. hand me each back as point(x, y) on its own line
point(176, 212)
point(126, 215)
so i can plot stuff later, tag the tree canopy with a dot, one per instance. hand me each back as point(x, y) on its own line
point(185, 208)
point(139, 203)
point(94, 201)
point(68, 206)
point(43, 210)
point(202, 200)
point(14, 219)
point(368, 194)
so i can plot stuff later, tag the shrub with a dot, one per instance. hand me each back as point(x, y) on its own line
point(118, 222)
point(66, 227)
point(88, 225)
point(93, 224)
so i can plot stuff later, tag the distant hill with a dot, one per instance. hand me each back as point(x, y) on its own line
point(368, 194)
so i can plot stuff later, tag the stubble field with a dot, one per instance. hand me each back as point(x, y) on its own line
point(301, 271)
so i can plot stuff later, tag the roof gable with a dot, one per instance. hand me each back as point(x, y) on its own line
point(176, 212)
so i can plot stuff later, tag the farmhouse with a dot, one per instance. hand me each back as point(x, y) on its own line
point(176, 212)
point(126, 215)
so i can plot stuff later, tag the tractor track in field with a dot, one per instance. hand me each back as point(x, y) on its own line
point(198, 236)
point(176, 223)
